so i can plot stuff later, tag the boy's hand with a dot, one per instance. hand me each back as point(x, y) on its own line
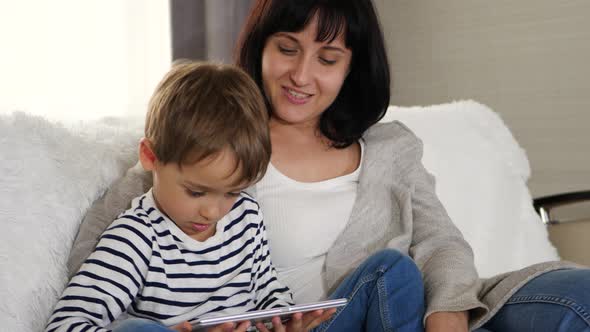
point(299, 322)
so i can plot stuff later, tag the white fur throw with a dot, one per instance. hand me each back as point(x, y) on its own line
point(481, 174)
point(49, 177)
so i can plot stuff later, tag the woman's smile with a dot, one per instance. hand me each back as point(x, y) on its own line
point(296, 97)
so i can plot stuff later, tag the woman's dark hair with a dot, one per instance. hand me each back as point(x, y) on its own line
point(364, 96)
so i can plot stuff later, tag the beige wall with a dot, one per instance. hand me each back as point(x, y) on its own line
point(529, 60)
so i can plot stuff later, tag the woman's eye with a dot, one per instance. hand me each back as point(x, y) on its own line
point(287, 50)
point(327, 61)
point(194, 193)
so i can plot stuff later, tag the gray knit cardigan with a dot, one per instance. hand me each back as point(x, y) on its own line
point(396, 207)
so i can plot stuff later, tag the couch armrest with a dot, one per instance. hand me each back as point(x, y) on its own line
point(543, 205)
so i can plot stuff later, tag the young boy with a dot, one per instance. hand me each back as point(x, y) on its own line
point(194, 245)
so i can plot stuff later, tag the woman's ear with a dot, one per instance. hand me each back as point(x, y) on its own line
point(147, 157)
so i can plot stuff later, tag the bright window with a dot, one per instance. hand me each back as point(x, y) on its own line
point(68, 59)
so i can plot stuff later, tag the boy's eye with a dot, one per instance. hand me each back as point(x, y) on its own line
point(194, 193)
point(234, 194)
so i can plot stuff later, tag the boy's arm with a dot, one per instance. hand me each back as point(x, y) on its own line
point(269, 291)
point(108, 281)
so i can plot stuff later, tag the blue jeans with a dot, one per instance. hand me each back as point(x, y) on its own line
point(385, 293)
point(557, 301)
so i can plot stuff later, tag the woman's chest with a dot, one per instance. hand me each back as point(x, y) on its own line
point(313, 163)
point(304, 219)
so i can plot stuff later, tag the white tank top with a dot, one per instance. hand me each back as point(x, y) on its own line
point(303, 219)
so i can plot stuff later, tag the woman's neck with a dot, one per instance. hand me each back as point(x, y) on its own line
point(306, 134)
point(303, 154)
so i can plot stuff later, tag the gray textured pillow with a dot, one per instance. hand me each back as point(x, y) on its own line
point(100, 215)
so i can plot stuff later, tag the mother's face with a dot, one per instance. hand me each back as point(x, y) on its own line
point(302, 77)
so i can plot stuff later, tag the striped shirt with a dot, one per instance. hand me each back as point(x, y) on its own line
point(145, 266)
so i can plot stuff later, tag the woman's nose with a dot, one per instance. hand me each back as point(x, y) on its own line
point(300, 72)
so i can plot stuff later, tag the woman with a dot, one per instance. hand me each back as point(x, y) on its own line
point(323, 68)
point(341, 189)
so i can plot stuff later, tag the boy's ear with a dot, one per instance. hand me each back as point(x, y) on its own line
point(147, 157)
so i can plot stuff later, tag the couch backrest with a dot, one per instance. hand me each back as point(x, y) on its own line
point(52, 173)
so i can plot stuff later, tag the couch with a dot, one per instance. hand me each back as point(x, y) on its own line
point(52, 172)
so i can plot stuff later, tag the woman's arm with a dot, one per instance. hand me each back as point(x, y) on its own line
point(446, 260)
point(447, 322)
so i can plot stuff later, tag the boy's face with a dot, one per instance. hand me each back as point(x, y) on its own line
point(196, 196)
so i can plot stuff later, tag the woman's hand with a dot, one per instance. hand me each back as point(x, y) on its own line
point(447, 321)
point(225, 327)
point(231, 327)
point(299, 322)
point(183, 327)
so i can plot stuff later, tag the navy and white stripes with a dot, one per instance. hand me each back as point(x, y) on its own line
point(145, 265)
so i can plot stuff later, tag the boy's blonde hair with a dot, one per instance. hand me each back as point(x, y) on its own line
point(199, 109)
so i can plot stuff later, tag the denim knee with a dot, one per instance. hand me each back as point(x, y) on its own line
point(391, 259)
point(385, 293)
point(554, 301)
point(569, 288)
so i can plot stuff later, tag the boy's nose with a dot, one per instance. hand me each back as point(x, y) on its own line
point(211, 212)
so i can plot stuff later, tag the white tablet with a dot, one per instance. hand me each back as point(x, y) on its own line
point(266, 315)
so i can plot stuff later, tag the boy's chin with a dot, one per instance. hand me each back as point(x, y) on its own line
point(201, 232)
